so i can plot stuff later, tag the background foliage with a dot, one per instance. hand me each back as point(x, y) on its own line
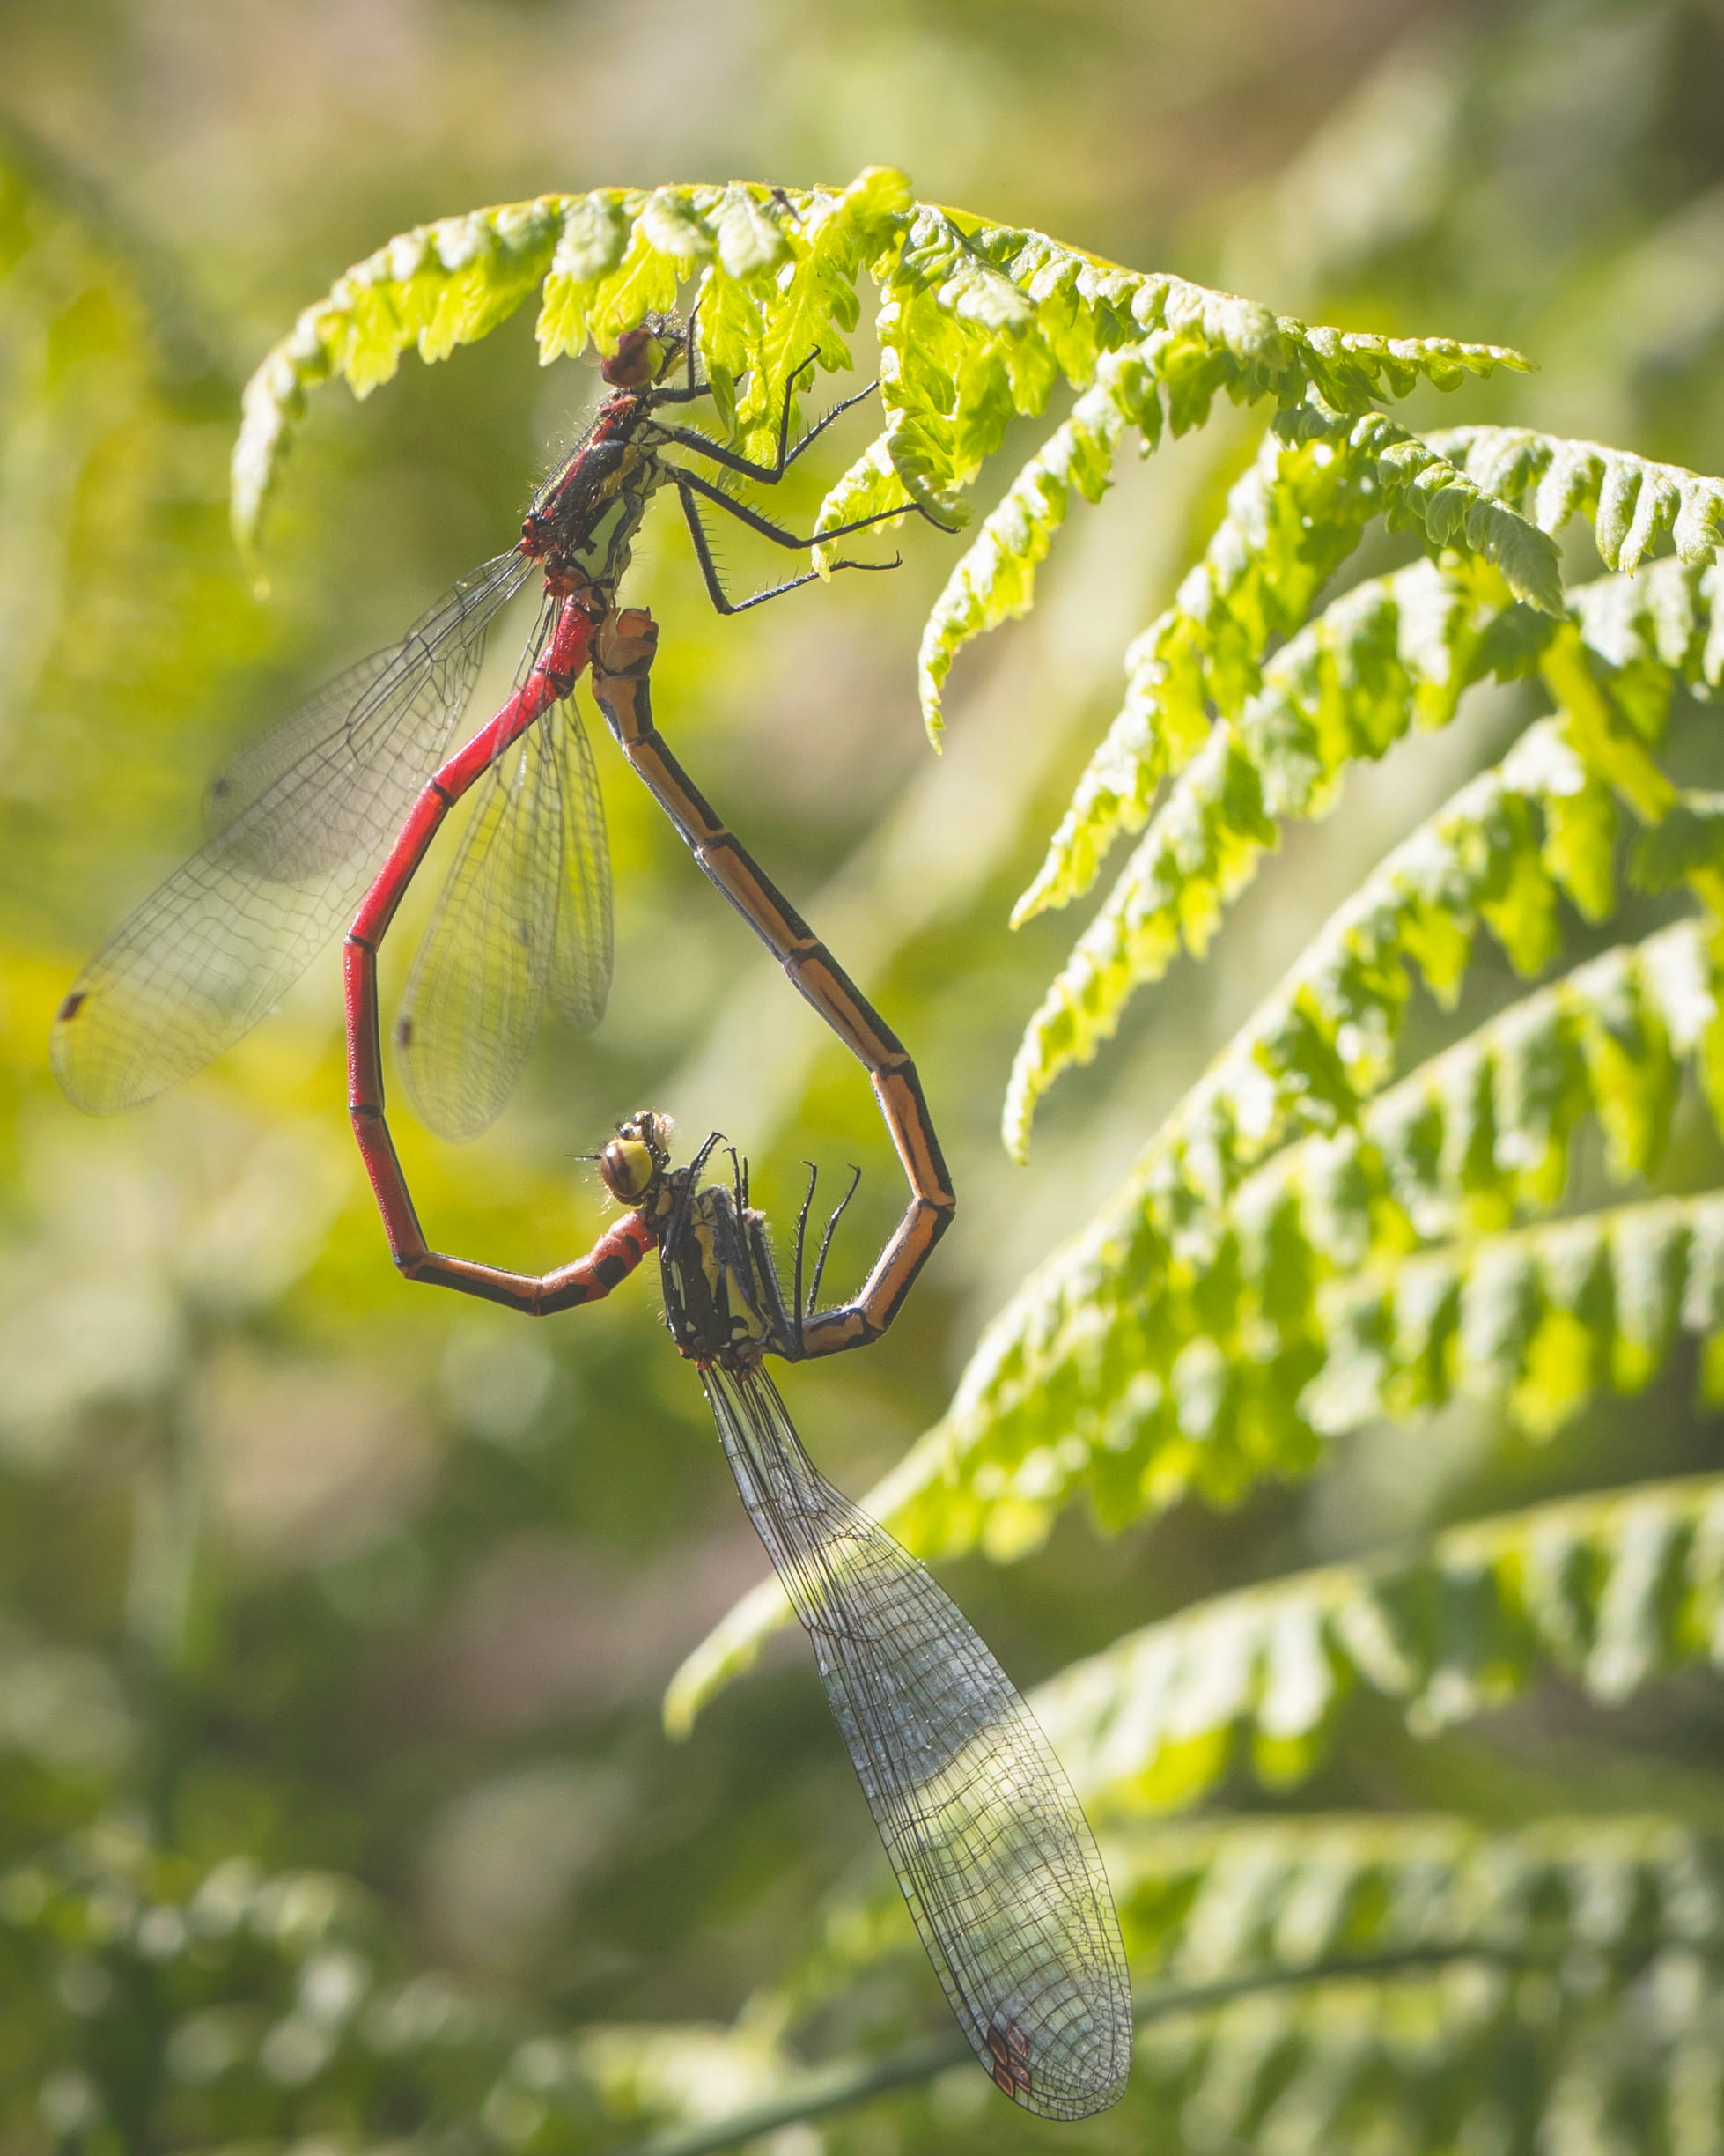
point(334, 1619)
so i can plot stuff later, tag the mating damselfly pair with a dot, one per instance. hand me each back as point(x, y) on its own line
point(322, 824)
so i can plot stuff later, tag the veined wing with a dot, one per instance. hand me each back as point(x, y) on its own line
point(989, 1842)
point(581, 961)
point(254, 770)
point(524, 910)
point(301, 822)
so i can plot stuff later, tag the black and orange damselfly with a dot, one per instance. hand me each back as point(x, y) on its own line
point(987, 1839)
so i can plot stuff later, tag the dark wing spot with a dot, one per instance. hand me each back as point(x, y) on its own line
point(403, 1033)
point(73, 1004)
point(1009, 2048)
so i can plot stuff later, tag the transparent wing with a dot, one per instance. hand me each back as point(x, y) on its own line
point(582, 956)
point(524, 911)
point(250, 773)
point(476, 991)
point(990, 1845)
point(301, 822)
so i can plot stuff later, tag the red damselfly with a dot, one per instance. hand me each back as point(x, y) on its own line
point(303, 821)
point(988, 1841)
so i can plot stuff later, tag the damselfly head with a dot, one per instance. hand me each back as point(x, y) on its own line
point(635, 1160)
point(644, 355)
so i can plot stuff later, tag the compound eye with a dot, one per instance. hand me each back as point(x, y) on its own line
point(629, 1167)
point(636, 361)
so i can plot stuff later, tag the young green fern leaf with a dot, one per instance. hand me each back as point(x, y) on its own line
point(975, 324)
point(1469, 2054)
point(1394, 651)
point(1543, 1320)
point(995, 578)
point(1613, 1591)
point(1205, 1901)
point(1291, 523)
point(1485, 1132)
point(777, 280)
point(1116, 791)
point(1631, 504)
point(1390, 651)
point(1208, 1902)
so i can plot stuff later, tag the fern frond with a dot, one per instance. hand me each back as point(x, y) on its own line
point(1424, 492)
point(809, 305)
point(435, 287)
point(773, 291)
point(995, 578)
point(1632, 504)
point(1485, 1132)
point(1472, 2056)
point(1615, 1591)
point(975, 324)
point(1497, 852)
point(1291, 520)
point(1396, 650)
point(1393, 649)
point(1543, 1319)
point(1206, 1901)
point(1235, 346)
point(957, 364)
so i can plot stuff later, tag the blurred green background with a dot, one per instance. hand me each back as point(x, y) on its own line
point(303, 1564)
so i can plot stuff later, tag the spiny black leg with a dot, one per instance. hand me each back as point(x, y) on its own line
point(768, 474)
point(802, 1236)
point(691, 382)
point(692, 481)
point(826, 1242)
point(709, 1147)
point(721, 600)
point(791, 380)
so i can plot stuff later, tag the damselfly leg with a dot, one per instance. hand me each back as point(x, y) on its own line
point(804, 1305)
point(623, 653)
